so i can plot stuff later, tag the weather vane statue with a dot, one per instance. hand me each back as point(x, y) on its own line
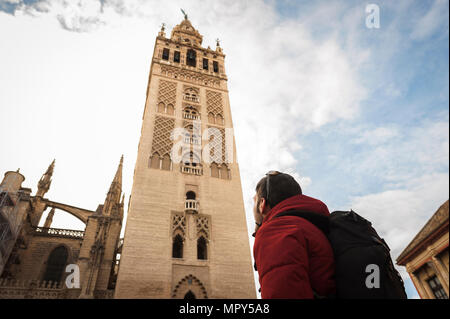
point(185, 14)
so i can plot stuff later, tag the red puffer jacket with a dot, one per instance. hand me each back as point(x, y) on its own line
point(293, 257)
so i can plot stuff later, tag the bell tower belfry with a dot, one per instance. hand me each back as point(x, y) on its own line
point(186, 232)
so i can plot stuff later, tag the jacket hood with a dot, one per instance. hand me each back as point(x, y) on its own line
point(298, 202)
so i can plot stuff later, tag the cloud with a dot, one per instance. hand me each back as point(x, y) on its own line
point(78, 96)
point(399, 214)
point(395, 154)
point(412, 166)
point(435, 19)
point(12, 1)
point(376, 136)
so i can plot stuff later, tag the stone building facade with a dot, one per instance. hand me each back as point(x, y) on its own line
point(426, 258)
point(33, 259)
point(186, 234)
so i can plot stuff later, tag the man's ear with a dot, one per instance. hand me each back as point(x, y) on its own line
point(262, 205)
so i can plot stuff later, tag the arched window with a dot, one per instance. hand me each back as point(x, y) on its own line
point(166, 162)
point(190, 159)
point(192, 135)
point(211, 118)
point(214, 170)
point(189, 295)
point(190, 112)
point(191, 57)
point(161, 108)
point(202, 248)
point(224, 172)
point(56, 264)
point(191, 94)
point(177, 247)
point(219, 119)
point(190, 195)
point(170, 109)
point(154, 161)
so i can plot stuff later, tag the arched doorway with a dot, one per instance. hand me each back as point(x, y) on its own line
point(190, 287)
point(189, 295)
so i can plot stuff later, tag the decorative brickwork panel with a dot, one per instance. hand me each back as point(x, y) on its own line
point(214, 102)
point(216, 144)
point(167, 92)
point(179, 224)
point(190, 76)
point(202, 223)
point(162, 144)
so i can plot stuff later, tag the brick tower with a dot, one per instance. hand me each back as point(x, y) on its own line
point(186, 233)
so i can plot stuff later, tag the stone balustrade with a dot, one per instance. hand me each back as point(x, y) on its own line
point(191, 170)
point(192, 140)
point(190, 116)
point(34, 289)
point(56, 232)
point(191, 99)
point(191, 205)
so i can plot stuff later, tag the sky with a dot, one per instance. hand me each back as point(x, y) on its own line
point(358, 115)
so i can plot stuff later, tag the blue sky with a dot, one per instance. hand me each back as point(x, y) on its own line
point(408, 92)
point(359, 116)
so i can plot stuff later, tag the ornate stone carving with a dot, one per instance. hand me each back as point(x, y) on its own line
point(167, 92)
point(179, 224)
point(214, 103)
point(202, 223)
point(192, 284)
point(190, 76)
point(162, 144)
point(216, 143)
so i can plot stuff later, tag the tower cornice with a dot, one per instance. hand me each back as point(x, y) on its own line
point(200, 48)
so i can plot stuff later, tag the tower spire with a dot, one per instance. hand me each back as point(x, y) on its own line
point(45, 181)
point(49, 219)
point(115, 191)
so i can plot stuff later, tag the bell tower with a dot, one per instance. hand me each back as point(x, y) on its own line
point(186, 232)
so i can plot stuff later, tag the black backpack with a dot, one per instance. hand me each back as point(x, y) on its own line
point(363, 265)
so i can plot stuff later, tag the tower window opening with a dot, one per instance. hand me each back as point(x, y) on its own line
point(176, 56)
point(190, 195)
point(191, 58)
point(202, 248)
point(205, 64)
point(190, 112)
point(216, 66)
point(165, 55)
point(177, 247)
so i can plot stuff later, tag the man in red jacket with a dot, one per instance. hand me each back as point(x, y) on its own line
point(293, 257)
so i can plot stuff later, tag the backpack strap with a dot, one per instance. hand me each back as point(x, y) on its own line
point(320, 221)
